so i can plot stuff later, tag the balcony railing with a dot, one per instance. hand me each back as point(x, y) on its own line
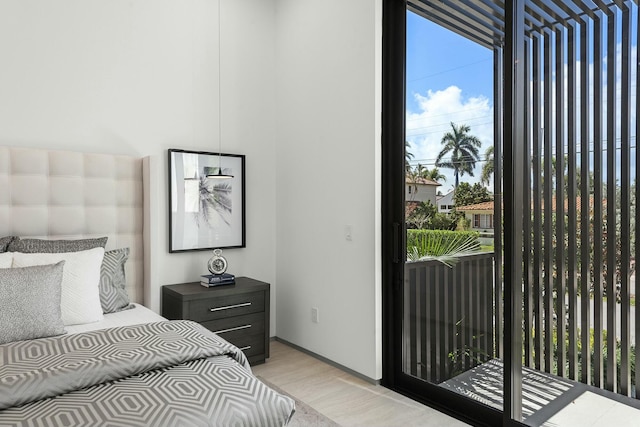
point(451, 324)
point(449, 318)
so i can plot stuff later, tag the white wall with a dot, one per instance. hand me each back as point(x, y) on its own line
point(328, 177)
point(139, 77)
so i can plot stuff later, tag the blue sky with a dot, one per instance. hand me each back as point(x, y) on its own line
point(449, 78)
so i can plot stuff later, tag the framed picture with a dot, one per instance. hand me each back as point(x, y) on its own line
point(205, 212)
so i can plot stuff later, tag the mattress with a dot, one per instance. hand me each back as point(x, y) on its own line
point(136, 315)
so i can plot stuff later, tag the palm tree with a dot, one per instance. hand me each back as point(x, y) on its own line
point(463, 149)
point(214, 198)
point(408, 156)
point(413, 174)
point(434, 175)
point(488, 167)
point(420, 171)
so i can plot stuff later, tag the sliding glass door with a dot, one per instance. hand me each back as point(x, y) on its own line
point(443, 311)
point(539, 326)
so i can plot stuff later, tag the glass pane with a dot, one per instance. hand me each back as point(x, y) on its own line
point(449, 321)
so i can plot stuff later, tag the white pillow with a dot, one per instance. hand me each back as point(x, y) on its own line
point(80, 301)
point(6, 258)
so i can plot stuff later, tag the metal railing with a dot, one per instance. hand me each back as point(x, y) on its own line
point(449, 321)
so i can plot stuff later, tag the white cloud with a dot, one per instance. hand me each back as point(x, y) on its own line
point(437, 109)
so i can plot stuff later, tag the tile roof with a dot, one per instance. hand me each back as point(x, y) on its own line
point(489, 205)
point(423, 181)
point(484, 206)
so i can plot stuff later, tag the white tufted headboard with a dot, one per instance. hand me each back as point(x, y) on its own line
point(66, 195)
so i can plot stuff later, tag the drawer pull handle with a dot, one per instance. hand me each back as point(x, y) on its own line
point(237, 328)
point(228, 307)
point(245, 348)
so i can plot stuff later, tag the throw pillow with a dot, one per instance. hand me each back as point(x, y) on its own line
point(55, 246)
point(113, 293)
point(30, 301)
point(80, 301)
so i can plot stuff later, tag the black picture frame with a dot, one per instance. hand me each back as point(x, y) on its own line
point(206, 213)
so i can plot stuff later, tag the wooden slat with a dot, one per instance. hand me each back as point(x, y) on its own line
point(476, 316)
point(612, 167)
point(572, 214)
point(637, 211)
point(548, 209)
point(560, 280)
point(497, 203)
point(598, 374)
point(441, 357)
point(514, 167)
point(467, 338)
point(585, 209)
point(430, 304)
point(487, 273)
point(450, 318)
point(625, 201)
point(537, 203)
point(414, 324)
point(528, 295)
point(423, 327)
point(458, 283)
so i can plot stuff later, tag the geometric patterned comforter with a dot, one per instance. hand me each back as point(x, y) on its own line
point(173, 373)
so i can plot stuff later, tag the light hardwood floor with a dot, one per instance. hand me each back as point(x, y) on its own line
point(346, 399)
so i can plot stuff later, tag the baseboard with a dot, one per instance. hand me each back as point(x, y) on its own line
point(328, 361)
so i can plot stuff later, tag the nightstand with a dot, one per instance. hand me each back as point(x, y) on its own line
point(238, 313)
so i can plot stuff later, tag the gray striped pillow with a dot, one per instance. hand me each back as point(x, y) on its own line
point(33, 246)
point(4, 242)
point(113, 293)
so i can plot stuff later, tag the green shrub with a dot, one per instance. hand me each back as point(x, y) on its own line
point(603, 352)
point(441, 245)
point(418, 237)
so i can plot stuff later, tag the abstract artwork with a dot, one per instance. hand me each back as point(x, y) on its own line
point(205, 212)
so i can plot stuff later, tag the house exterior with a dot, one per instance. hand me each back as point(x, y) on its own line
point(420, 190)
point(480, 216)
point(446, 202)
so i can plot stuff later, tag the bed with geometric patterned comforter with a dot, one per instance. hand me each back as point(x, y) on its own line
point(173, 373)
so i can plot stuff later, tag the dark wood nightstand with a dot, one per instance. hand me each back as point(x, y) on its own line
point(238, 313)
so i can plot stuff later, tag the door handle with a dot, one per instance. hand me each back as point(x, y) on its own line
point(396, 242)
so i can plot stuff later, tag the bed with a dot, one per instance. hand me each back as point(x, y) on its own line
point(77, 345)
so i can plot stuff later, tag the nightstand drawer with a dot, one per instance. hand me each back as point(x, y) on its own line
point(247, 324)
point(246, 332)
point(251, 345)
point(227, 306)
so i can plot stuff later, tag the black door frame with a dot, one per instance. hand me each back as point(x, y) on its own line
point(393, 229)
